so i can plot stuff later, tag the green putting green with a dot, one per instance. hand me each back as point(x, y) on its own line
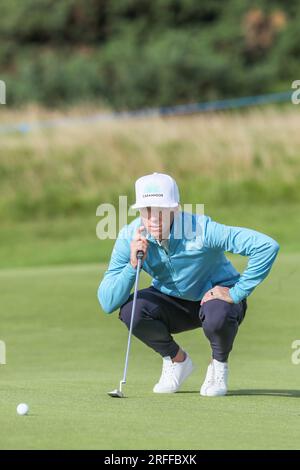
point(64, 354)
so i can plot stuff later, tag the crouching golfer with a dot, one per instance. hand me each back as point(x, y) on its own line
point(194, 285)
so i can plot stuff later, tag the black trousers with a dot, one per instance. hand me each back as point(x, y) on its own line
point(158, 316)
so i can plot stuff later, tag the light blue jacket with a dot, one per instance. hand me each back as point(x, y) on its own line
point(194, 263)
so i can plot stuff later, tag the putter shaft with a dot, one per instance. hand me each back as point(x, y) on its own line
point(118, 392)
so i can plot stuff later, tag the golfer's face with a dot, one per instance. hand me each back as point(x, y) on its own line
point(157, 221)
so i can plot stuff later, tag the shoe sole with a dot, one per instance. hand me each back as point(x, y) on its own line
point(203, 391)
point(218, 394)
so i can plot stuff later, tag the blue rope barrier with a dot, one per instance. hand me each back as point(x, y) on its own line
point(234, 103)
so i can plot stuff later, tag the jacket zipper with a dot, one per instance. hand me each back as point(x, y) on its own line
point(171, 269)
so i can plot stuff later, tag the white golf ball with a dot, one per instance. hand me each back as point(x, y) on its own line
point(22, 409)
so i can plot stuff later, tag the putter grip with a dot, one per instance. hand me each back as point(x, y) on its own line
point(140, 254)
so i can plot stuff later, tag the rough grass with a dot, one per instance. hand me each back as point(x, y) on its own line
point(216, 158)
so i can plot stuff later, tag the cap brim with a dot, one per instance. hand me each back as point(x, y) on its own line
point(170, 206)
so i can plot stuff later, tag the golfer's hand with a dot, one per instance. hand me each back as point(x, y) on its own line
point(219, 292)
point(138, 243)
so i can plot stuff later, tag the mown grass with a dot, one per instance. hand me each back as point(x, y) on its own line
point(64, 355)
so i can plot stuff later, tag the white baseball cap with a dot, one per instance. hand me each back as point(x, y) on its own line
point(156, 190)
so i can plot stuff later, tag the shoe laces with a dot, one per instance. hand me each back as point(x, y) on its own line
point(220, 376)
point(168, 369)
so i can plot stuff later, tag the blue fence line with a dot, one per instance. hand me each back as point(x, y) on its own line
point(192, 108)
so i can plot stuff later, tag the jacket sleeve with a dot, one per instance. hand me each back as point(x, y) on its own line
point(261, 250)
point(119, 278)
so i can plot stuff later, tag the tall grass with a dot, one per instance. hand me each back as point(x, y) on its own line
point(224, 158)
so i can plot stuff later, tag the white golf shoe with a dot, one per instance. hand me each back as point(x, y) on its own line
point(173, 375)
point(216, 380)
point(209, 379)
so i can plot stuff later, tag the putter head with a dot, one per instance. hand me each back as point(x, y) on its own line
point(116, 393)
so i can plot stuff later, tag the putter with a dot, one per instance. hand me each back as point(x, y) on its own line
point(118, 392)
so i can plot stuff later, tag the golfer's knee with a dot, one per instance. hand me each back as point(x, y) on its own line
point(126, 310)
point(216, 315)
